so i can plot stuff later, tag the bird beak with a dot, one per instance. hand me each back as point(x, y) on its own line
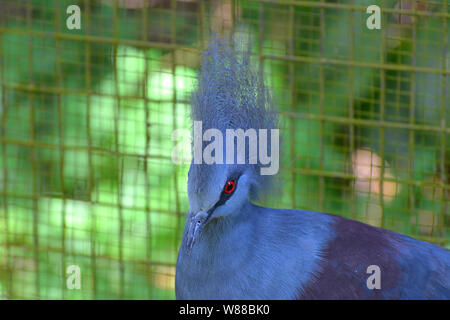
point(196, 224)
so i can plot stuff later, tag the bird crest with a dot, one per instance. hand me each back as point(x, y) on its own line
point(231, 96)
point(229, 93)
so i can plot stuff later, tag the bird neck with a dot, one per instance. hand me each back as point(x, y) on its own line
point(226, 234)
point(256, 253)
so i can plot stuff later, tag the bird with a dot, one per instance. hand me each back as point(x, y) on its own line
point(234, 249)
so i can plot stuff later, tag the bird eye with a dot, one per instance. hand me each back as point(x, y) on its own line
point(229, 187)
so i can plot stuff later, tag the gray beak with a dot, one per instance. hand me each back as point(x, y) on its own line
point(197, 221)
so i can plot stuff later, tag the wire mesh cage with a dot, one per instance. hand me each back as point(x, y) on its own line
point(88, 115)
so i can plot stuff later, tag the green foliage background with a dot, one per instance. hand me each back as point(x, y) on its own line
point(87, 117)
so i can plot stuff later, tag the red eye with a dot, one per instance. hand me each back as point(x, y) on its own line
point(229, 187)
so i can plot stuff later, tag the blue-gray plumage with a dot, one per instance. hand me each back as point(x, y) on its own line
point(233, 249)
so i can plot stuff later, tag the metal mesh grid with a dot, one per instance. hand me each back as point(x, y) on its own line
point(87, 117)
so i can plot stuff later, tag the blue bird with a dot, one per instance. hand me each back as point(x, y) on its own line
point(234, 249)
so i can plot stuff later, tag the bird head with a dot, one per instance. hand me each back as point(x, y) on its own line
point(230, 107)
